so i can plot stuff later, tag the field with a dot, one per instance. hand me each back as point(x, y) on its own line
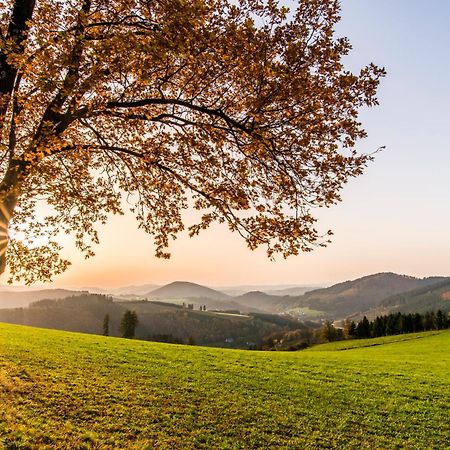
point(74, 391)
point(306, 312)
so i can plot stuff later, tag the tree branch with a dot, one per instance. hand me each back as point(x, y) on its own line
point(52, 114)
point(171, 101)
point(17, 30)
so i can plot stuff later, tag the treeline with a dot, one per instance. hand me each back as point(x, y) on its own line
point(387, 325)
point(397, 323)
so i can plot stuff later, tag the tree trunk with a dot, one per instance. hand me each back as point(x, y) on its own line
point(9, 193)
point(21, 13)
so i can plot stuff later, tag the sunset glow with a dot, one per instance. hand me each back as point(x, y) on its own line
point(392, 218)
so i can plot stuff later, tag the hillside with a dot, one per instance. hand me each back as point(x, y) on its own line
point(350, 297)
point(66, 390)
point(293, 291)
point(427, 298)
point(141, 289)
point(157, 320)
point(227, 304)
point(185, 289)
point(271, 289)
point(260, 300)
point(20, 299)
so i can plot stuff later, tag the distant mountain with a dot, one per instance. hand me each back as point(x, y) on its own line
point(271, 289)
point(20, 299)
point(95, 290)
point(139, 290)
point(14, 288)
point(350, 297)
point(293, 291)
point(185, 289)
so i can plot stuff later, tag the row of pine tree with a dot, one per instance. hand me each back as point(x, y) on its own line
point(397, 323)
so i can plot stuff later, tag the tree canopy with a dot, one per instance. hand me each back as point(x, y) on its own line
point(241, 108)
point(128, 324)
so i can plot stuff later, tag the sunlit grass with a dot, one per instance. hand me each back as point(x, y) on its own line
point(67, 390)
point(359, 343)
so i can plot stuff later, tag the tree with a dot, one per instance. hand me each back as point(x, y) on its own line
point(106, 325)
point(128, 324)
point(363, 328)
point(421, 323)
point(393, 325)
point(329, 333)
point(349, 328)
point(441, 320)
point(240, 109)
point(378, 328)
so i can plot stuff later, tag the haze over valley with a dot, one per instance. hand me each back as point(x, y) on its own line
point(188, 312)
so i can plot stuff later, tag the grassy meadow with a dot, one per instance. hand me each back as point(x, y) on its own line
point(61, 390)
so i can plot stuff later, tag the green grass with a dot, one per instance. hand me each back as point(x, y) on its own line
point(62, 390)
point(359, 343)
point(307, 312)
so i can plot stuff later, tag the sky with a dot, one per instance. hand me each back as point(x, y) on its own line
point(395, 217)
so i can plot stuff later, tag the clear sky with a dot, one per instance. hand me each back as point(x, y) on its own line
point(395, 217)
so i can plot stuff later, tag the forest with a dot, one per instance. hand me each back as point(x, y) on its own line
point(386, 325)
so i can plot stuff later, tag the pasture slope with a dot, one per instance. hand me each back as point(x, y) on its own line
point(61, 390)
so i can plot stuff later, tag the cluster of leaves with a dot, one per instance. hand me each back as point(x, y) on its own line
point(243, 107)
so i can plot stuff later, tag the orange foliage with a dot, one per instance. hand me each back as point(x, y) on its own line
point(243, 106)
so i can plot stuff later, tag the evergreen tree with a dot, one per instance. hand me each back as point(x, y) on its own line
point(106, 325)
point(128, 324)
point(393, 324)
point(422, 323)
point(406, 323)
point(363, 328)
point(398, 323)
point(378, 327)
point(349, 329)
point(441, 320)
point(352, 329)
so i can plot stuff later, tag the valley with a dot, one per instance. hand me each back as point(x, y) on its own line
point(184, 312)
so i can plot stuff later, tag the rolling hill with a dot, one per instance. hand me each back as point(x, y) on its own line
point(293, 291)
point(20, 299)
point(255, 301)
point(141, 289)
point(180, 292)
point(185, 290)
point(260, 300)
point(371, 295)
point(85, 313)
point(427, 298)
point(350, 297)
point(69, 390)
point(271, 289)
